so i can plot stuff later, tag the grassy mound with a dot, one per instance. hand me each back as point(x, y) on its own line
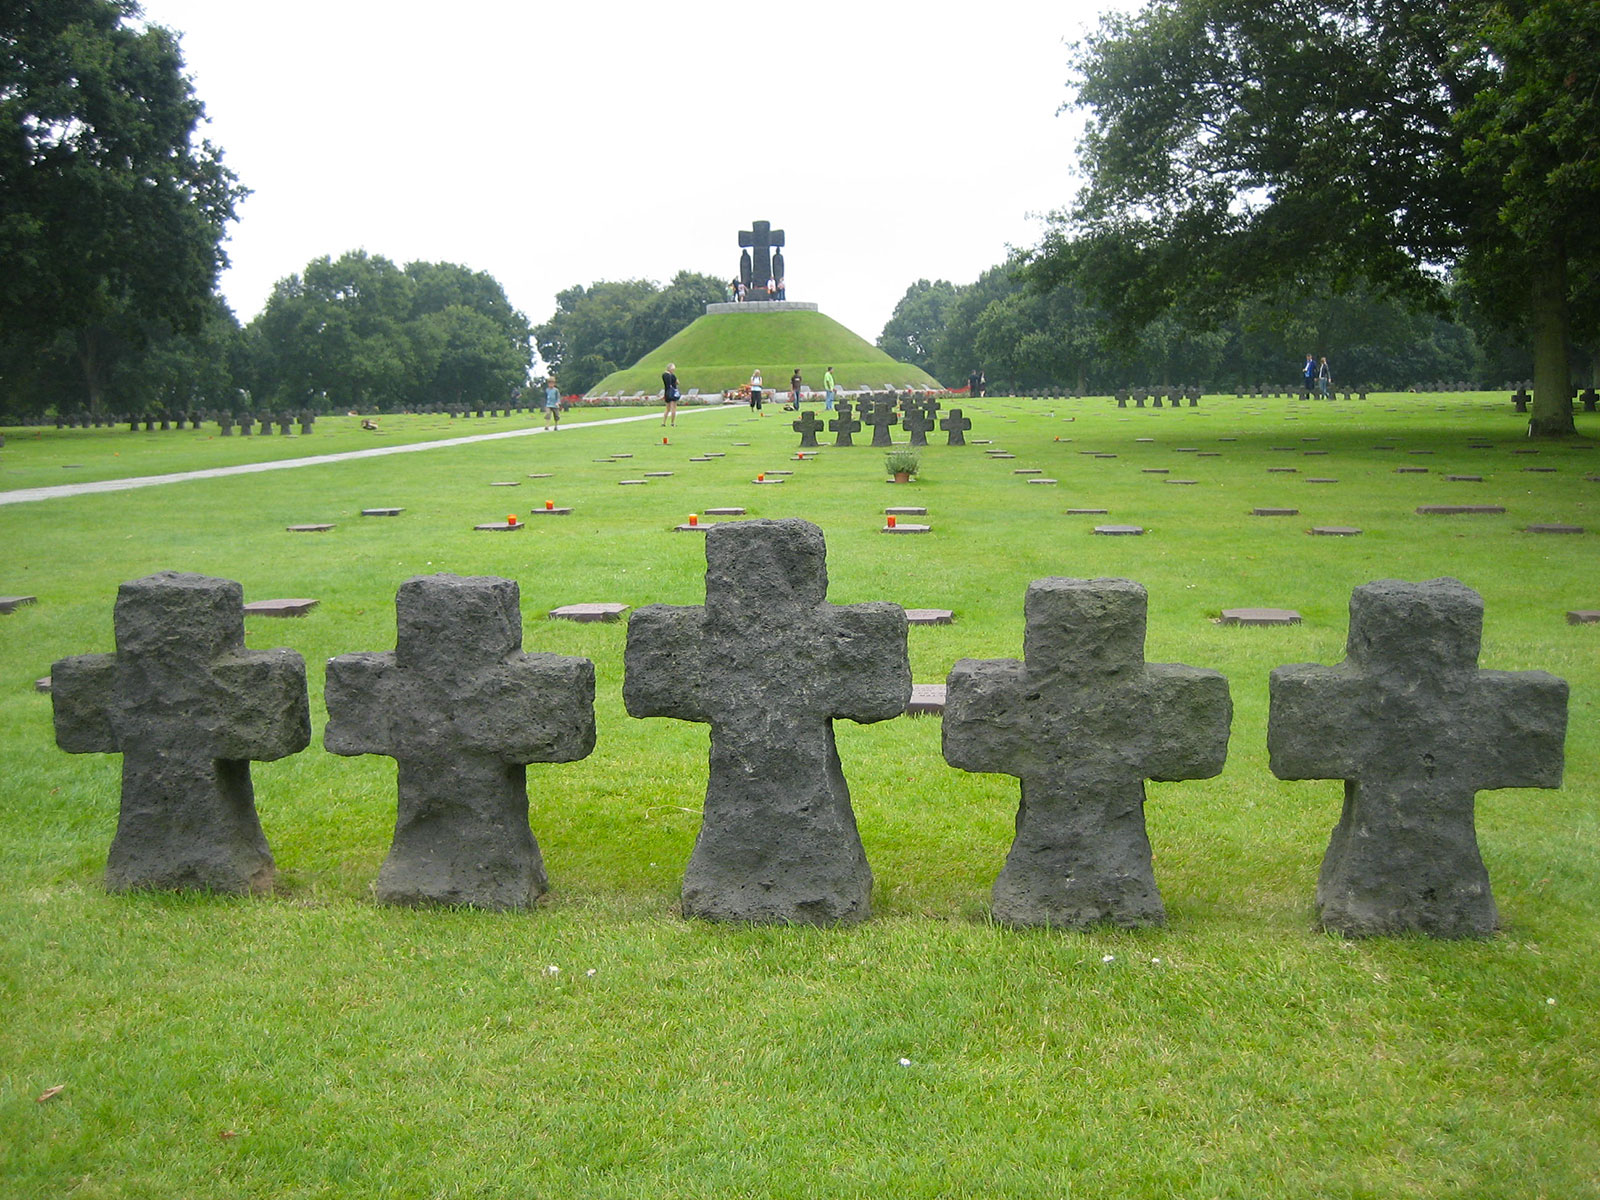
point(719, 351)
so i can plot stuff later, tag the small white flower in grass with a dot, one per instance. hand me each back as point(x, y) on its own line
point(1108, 958)
point(905, 1062)
point(590, 972)
point(1549, 999)
point(552, 969)
point(1155, 962)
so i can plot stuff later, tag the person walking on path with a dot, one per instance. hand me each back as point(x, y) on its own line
point(669, 393)
point(552, 403)
point(1310, 373)
point(755, 391)
point(1324, 377)
point(829, 388)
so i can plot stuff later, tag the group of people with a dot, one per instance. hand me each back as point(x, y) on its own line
point(1319, 376)
point(775, 290)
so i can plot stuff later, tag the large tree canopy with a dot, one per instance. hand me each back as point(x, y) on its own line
point(1237, 148)
point(112, 210)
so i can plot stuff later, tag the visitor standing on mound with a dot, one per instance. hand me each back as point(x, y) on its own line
point(794, 392)
point(552, 403)
point(669, 393)
point(828, 387)
point(755, 390)
point(783, 292)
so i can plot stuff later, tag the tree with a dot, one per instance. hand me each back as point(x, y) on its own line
point(112, 211)
point(1235, 149)
point(917, 323)
point(597, 329)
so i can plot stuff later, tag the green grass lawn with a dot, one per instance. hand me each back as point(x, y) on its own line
point(312, 1044)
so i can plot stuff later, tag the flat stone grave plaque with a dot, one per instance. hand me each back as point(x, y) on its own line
point(897, 527)
point(725, 512)
point(1046, 481)
point(778, 472)
point(1314, 479)
point(1554, 529)
point(42, 684)
point(1314, 453)
point(1456, 510)
point(701, 458)
point(309, 528)
point(1290, 449)
point(1422, 452)
point(1144, 439)
point(1541, 470)
point(658, 474)
point(1208, 454)
point(983, 441)
point(1411, 470)
point(588, 612)
point(381, 512)
point(631, 482)
point(927, 700)
point(9, 604)
point(622, 456)
point(1584, 616)
point(769, 481)
point(550, 512)
point(1181, 482)
point(1463, 478)
point(541, 475)
point(700, 527)
point(1275, 512)
point(1027, 471)
point(1003, 456)
point(929, 616)
point(1087, 512)
point(1155, 470)
point(1186, 450)
point(906, 510)
point(1383, 447)
point(279, 608)
point(1518, 452)
point(506, 483)
point(1335, 530)
point(500, 527)
point(1119, 530)
point(1228, 439)
point(1260, 616)
point(1283, 470)
point(1480, 445)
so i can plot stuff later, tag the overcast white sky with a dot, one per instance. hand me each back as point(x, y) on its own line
point(552, 145)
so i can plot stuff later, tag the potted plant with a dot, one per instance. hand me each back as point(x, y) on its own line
point(902, 464)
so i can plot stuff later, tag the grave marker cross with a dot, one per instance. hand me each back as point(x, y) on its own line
point(760, 238)
point(463, 710)
point(188, 708)
point(769, 664)
point(882, 417)
point(918, 421)
point(1415, 730)
point(1083, 721)
point(956, 426)
point(844, 425)
point(808, 426)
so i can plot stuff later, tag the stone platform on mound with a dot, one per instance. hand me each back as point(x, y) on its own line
point(757, 307)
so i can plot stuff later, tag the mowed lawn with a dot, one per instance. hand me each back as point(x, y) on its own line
point(313, 1044)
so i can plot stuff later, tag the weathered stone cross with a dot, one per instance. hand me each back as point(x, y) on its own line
point(808, 426)
point(1415, 730)
point(1083, 722)
point(844, 425)
point(188, 708)
point(463, 710)
point(769, 664)
point(918, 421)
point(881, 416)
point(760, 238)
point(956, 426)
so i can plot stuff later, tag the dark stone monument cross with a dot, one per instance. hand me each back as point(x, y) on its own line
point(1083, 721)
point(770, 664)
point(463, 710)
point(760, 238)
point(808, 426)
point(882, 417)
point(188, 708)
point(918, 421)
point(956, 426)
point(1415, 730)
point(844, 425)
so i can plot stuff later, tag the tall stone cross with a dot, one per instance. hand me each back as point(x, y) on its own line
point(1083, 721)
point(918, 421)
point(881, 416)
point(188, 708)
point(463, 710)
point(769, 664)
point(808, 426)
point(759, 239)
point(956, 426)
point(1415, 730)
point(844, 425)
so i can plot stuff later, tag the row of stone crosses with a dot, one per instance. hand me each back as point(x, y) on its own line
point(1408, 721)
point(917, 416)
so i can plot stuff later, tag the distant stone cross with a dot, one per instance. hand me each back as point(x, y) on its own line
point(844, 425)
point(1083, 721)
point(760, 238)
point(808, 426)
point(463, 710)
point(882, 417)
point(918, 421)
point(188, 708)
point(956, 426)
point(770, 664)
point(1415, 730)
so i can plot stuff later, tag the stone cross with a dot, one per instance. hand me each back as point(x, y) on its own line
point(760, 238)
point(844, 425)
point(881, 416)
point(1415, 730)
point(956, 426)
point(463, 710)
point(808, 426)
point(918, 420)
point(769, 664)
point(188, 708)
point(1083, 721)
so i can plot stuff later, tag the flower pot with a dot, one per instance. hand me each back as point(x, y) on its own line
point(902, 476)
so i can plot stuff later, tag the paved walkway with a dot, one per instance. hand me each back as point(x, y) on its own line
point(24, 495)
